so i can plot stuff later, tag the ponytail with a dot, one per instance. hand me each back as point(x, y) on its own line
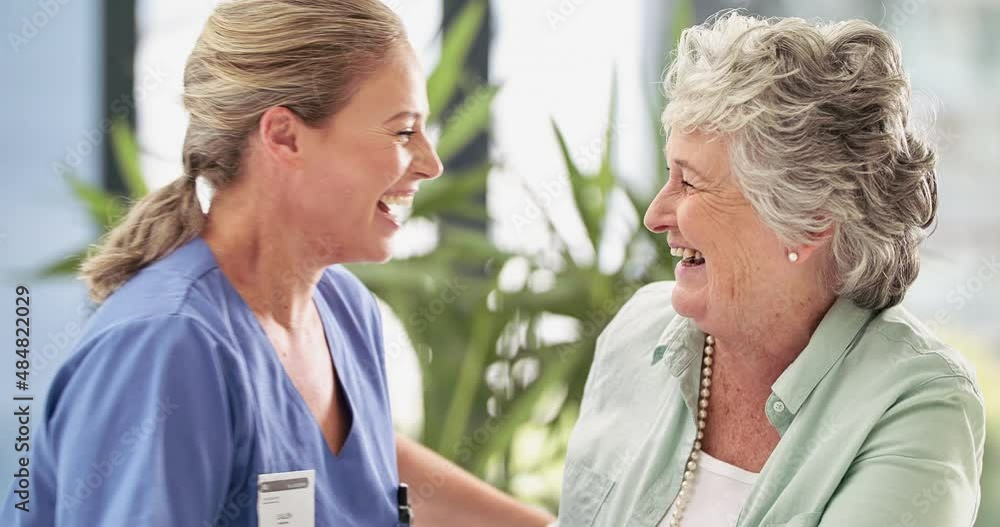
point(155, 226)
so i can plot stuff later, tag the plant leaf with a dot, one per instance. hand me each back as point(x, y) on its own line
point(126, 153)
point(470, 244)
point(546, 213)
point(605, 175)
point(465, 123)
point(585, 193)
point(455, 46)
point(485, 327)
point(66, 266)
point(104, 207)
point(457, 189)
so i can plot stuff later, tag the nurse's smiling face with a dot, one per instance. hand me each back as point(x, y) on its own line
point(370, 155)
point(742, 263)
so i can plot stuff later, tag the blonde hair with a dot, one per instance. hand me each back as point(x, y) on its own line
point(306, 55)
point(817, 116)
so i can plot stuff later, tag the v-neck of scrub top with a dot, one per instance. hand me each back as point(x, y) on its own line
point(334, 341)
point(289, 436)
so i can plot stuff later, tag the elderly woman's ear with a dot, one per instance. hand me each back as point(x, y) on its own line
point(817, 241)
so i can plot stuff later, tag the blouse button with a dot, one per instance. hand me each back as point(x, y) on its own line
point(779, 407)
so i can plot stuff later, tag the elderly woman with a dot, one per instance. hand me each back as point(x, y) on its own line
point(233, 374)
point(777, 382)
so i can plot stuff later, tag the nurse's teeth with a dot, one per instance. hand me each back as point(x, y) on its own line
point(688, 253)
point(404, 200)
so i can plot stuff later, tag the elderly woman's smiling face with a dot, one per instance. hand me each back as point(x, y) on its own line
point(703, 209)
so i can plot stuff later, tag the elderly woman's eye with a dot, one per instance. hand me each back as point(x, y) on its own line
point(686, 184)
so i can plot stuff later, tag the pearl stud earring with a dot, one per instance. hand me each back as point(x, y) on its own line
point(793, 257)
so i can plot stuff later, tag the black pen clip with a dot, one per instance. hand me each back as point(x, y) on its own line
point(403, 504)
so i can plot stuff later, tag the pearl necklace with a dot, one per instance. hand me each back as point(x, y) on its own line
point(692, 464)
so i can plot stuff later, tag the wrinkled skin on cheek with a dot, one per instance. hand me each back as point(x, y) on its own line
point(706, 209)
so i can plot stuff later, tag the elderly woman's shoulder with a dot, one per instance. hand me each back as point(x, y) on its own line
point(919, 395)
point(914, 353)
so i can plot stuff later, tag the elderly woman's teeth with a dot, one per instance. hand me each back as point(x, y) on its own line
point(688, 255)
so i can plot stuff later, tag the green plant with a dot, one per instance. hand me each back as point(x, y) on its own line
point(104, 207)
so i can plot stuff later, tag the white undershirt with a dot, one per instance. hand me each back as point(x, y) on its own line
point(717, 494)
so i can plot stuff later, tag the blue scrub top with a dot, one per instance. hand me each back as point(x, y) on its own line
point(174, 401)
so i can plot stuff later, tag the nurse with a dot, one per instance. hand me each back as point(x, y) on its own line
point(234, 374)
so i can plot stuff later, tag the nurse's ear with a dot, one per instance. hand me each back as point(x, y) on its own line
point(280, 134)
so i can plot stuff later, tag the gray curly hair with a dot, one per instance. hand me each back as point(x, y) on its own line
point(817, 118)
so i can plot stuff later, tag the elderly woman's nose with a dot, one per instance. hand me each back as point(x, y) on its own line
point(660, 214)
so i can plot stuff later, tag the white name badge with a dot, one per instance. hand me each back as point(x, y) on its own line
point(287, 499)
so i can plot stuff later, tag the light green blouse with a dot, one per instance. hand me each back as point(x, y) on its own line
point(881, 425)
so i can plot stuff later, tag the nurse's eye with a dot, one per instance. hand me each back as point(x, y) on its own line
point(404, 135)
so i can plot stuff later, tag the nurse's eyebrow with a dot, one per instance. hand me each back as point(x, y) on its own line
point(405, 113)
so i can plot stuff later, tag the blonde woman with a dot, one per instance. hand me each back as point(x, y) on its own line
point(777, 382)
point(233, 375)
